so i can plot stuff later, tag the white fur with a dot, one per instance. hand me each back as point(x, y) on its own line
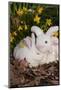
point(30, 53)
point(41, 52)
point(36, 30)
point(49, 50)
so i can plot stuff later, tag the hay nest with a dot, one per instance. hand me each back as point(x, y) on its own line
point(21, 75)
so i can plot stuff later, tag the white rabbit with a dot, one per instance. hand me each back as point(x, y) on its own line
point(26, 49)
point(46, 44)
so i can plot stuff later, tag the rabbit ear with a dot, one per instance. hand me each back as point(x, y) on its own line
point(36, 30)
point(33, 39)
point(51, 30)
point(28, 42)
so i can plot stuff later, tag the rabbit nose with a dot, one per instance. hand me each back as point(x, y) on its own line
point(46, 42)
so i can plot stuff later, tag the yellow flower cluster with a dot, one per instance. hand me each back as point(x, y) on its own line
point(21, 11)
point(48, 22)
point(39, 9)
point(37, 19)
point(24, 27)
point(20, 28)
point(12, 36)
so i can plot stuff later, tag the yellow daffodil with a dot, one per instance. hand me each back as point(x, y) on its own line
point(40, 9)
point(37, 19)
point(20, 12)
point(14, 33)
point(55, 34)
point(26, 27)
point(48, 22)
point(25, 9)
point(20, 28)
point(11, 37)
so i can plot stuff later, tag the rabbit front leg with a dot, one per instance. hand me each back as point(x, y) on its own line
point(35, 61)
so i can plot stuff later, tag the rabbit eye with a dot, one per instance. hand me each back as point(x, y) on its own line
point(46, 42)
